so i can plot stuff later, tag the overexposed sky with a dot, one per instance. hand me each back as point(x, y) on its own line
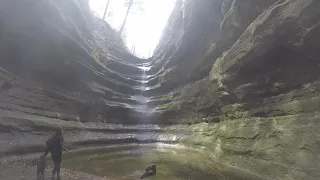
point(143, 29)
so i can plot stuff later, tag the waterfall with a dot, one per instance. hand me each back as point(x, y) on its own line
point(141, 99)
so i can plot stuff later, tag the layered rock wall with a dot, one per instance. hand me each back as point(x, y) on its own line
point(59, 61)
point(259, 101)
point(241, 75)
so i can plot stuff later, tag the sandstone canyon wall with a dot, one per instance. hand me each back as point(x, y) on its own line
point(242, 76)
point(59, 61)
point(250, 71)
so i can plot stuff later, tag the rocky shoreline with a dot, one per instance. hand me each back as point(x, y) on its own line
point(27, 172)
point(239, 79)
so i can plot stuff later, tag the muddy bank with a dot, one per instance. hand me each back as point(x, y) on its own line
point(260, 146)
point(19, 172)
point(127, 162)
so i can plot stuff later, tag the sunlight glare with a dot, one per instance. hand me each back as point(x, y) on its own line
point(143, 29)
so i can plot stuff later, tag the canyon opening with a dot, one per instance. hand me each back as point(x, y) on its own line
point(159, 89)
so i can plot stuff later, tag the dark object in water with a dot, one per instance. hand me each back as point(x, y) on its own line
point(150, 171)
point(41, 166)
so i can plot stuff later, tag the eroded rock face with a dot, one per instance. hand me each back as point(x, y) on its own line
point(59, 61)
point(262, 87)
point(255, 54)
point(243, 74)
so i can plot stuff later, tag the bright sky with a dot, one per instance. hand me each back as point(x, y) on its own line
point(143, 29)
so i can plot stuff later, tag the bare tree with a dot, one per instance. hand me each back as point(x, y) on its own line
point(130, 4)
point(105, 10)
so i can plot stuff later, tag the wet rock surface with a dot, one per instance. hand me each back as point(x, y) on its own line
point(260, 86)
point(23, 133)
point(60, 61)
point(239, 79)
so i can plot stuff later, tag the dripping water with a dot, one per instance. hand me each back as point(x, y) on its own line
point(141, 99)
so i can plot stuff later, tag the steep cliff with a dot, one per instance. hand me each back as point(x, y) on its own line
point(242, 76)
point(59, 61)
point(250, 71)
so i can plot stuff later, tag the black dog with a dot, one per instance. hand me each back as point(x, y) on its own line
point(150, 171)
point(41, 166)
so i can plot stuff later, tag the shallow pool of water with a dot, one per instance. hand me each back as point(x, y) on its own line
point(129, 162)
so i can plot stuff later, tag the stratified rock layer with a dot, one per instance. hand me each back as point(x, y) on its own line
point(59, 61)
point(244, 76)
point(261, 95)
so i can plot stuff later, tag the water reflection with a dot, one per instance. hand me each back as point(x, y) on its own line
point(173, 163)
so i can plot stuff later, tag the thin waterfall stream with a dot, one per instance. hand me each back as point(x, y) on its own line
point(141, 99)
